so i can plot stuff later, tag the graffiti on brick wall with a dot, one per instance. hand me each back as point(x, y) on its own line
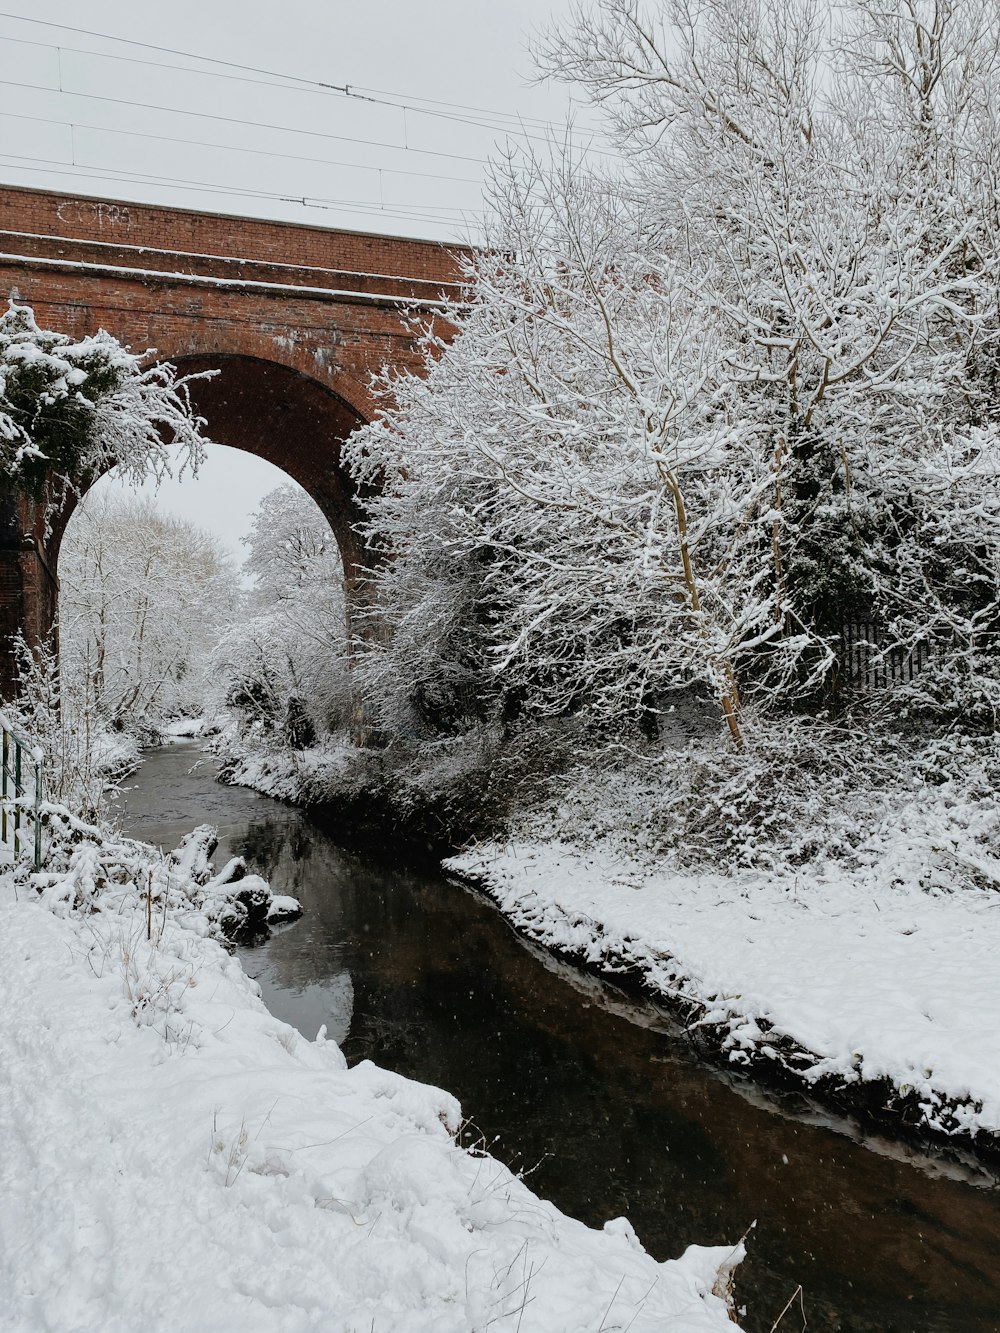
point(85, 212)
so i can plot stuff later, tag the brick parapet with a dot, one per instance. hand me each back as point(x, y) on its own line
point(121, 225)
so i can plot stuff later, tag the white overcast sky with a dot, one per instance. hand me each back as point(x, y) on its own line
point(227, 115)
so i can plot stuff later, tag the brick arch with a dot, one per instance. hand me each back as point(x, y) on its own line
point(262, 408)
point(278, 414)
point(210, 348)
point(296, 318)
point(291, 420)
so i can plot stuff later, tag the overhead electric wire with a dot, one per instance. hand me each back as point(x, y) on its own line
point(407, 213)
point(304, 83)
point(376, 97)
point(249, 124)
point(235, 148)
point(495, 122)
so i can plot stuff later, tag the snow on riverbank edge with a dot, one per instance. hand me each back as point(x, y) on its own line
point(883, 1000)
point(176, 1157)
point(875, 986)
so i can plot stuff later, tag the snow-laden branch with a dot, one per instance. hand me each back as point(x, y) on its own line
point(69, 409)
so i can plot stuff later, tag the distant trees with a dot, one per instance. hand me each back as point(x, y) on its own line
point(283, 668)
point(144, 598)
point(702, 415)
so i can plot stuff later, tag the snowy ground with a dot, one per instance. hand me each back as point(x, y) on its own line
point(176, 1158)
point(839, 978)
point(182, 727)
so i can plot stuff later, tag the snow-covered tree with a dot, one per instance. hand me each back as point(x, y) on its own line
point(832, 178)
point(573, 469)
point(704, 416)
point(144, 599)
point(290, 545)
point(284, 667)
point(72, 409)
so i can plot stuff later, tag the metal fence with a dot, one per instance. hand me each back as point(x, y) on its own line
point(868, 665)
point(20, 792)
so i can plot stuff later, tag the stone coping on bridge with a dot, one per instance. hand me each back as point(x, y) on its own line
point(226, 263)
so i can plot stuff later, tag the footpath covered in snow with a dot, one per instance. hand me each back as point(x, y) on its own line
point(874, 989)
point(174, 1157)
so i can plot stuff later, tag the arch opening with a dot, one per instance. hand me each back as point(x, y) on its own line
point(170, 620)
point(259, 407)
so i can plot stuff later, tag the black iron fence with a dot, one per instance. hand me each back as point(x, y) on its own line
point(868, 664)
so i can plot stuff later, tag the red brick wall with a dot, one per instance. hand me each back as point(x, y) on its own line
point(85, 263)
point(153, 227)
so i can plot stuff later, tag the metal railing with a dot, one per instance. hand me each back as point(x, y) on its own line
point(20, 790)
point(868, 665)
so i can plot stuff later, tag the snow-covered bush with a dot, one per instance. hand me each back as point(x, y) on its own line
point(802, 790)
point(69, 409)
point(90, 868)
point(83, 755)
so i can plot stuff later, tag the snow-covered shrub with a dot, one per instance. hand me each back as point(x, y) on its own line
point(84, 756)
point(90, 868)
point(804, 794)
point(71, 410)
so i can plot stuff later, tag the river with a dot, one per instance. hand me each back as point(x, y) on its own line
point(597, 1096)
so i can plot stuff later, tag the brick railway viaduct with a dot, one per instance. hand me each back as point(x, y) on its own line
point(295, 318)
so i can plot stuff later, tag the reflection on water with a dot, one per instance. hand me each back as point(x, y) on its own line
point(600, 1094)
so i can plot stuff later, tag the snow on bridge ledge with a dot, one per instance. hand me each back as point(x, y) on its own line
point(191, 283)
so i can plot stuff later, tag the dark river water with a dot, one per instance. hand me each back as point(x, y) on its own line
point(597, 1095)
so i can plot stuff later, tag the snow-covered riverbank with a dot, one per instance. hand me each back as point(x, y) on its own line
point(881, 994)
point(872, 978)
point(176, 1157)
